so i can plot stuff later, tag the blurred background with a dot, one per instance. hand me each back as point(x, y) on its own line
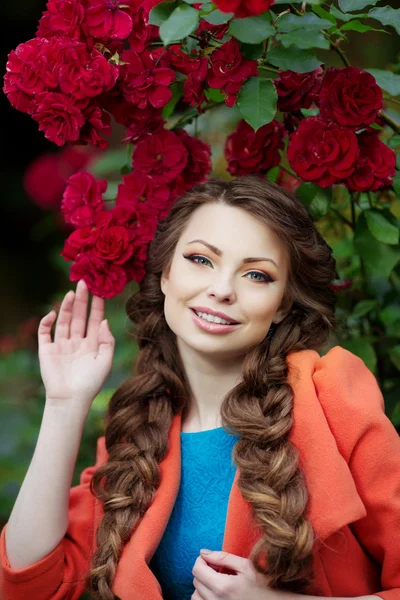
point(34, 278)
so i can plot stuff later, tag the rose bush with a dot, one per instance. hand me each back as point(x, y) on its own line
point(326, 132)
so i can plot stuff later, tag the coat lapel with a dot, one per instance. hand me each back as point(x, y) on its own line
point(333, 498)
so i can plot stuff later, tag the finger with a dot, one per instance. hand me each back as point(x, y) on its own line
point(95, 318)
point(79, 313)
point(44, 329)
point(106, 341)
point(64, 317)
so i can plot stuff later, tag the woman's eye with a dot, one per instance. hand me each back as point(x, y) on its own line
point(264, 278)
point(195, 256)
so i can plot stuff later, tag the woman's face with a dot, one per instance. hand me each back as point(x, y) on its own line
point(222, 279)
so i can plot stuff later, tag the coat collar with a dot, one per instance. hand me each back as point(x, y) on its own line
point(333, 498)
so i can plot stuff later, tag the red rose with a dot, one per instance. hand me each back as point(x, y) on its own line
point(113, 244)
point(376, 165)
point(194, 85)
point(103, 278)
point(248, 151)
point(198, 165)
point(140, 220)
point(78, 241)
point(82, 199)
point(298, 90)
point(85, 75)
point(229, 69)
point(145, 79)
point(59, 116)
point(161, 155)
point(97, 124)
point(350, 97)
point(62, 18)
point(46, 177)
point(244, 8)
point(28, 74)
point(106, 19)
point(138, 187)
point(322, 152)
point(142, 34)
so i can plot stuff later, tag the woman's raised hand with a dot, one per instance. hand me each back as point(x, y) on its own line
point(76, 364)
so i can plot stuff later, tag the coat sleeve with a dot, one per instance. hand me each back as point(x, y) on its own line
point(61, 574)
point(354, 407)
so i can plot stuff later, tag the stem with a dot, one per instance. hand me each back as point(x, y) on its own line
point(342, 217)
point(389, 121)
point(193, 114)
point(267, 68)
point(340, 52)
point(390, 99)
point(289, 171)
point(294, 9)
point(353, 213)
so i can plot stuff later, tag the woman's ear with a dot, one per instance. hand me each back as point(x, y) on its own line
point(164, 280)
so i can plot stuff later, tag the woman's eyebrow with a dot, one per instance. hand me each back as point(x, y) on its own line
point(218, 252)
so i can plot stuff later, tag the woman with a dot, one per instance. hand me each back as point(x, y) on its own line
point(233, 434)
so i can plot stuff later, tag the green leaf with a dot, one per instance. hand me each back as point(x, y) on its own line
point(309, 21)
point(394, 354)
point(362, 308)
point(273, 174)
point(257, 101)
point(294, 59)
point(390, 314)
point(311, 2)
point(361, 347)
point(304, 39)
point(348, 5)
point(342, 17)
point(379, 258)
point(251, 30)
point(387, 16)
point(396, 182)
point(216, 17)
point(214, 95)
point(360, 27)
point(181, 23)
point(388, 81)
point(380, 227)
point(252, 51)
point(177, 94)
point(321, 12)
point(161, 12)
point(316, 199)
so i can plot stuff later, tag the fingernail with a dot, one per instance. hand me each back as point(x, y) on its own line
point(206, 551)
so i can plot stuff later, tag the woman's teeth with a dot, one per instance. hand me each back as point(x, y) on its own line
point(212, 319)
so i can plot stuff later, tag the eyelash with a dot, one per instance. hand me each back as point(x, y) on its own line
point(268, 278)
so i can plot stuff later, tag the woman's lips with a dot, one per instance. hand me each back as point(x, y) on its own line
point(212, 327)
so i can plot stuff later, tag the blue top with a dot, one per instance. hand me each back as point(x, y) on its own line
point(199, 514)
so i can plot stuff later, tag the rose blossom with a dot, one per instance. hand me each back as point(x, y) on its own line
point(161, 155)
point(82, 199)
point(59, 116)
point(229, 69)
point(298, 90)
point(198, 165)
point(142, 122)
point(322, 152)
point(248, 151)
point(142, 34)
point(79, 241)
point(103, 278)
point(63, 18)
point(97, 124)
point(106, 19)
point(145, 79)
point(376, 165)
point(113, 244)
point(138, 187)
point(350, 97)
point(84, 75)
point(244, 8)
point(27, 75)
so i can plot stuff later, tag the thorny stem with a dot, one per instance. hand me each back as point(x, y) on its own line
point(289, 171)
point(187, 118)
point(342, 217)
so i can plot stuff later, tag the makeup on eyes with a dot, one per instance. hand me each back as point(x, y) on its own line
point(267, 277)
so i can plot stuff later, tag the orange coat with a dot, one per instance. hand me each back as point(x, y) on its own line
point(350, 454)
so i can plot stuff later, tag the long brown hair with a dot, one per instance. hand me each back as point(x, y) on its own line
point(259, 409)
